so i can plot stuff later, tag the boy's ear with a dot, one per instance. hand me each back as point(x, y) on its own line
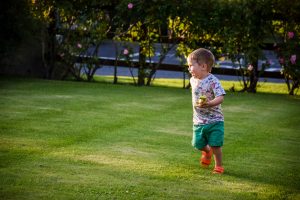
point(205, 67)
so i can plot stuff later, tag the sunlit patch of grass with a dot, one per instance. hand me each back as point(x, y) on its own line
point(262, 87)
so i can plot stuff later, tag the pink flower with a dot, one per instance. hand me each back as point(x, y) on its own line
point(250, 67)
point(125, 52)
point(79, 45)
point(291, 35)
point(293, 59)
point(130, 5)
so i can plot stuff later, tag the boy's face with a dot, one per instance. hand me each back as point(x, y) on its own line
point(197, 70)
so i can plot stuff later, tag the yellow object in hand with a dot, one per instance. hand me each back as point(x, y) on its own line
point(202, 99)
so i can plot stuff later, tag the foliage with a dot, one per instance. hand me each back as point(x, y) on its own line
point(74, 29)
point(134, 25)
point(238, 29)
point(177, 33)
point(127, 55)
point(145, 22)
point(45, 16)
point(81, 36)
point(246, 25)
point(289, 54)
point(287, 30)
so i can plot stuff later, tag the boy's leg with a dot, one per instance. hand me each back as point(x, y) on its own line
point(205, 159)
point(206, 149)
point(215, 140)
point(218, 155)
point(218, 160)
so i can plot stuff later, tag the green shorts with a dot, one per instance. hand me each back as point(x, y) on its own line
point(212, 134)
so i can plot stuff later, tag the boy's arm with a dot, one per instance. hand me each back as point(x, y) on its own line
point(216, 101)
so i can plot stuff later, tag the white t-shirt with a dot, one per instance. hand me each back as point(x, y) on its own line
point(211, 88)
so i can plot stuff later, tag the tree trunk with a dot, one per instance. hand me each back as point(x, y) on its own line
point(253, 78)
point(150, 76)
point(294, 86)
point(116, 64)
point(155, 67)
point(51, 44)
point(141, 70)
point(142, 58)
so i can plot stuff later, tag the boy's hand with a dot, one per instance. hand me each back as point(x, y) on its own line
point(201, 101)
point(203, 105)
point(207, 104)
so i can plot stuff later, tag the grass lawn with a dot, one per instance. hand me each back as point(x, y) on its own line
point(74, 140)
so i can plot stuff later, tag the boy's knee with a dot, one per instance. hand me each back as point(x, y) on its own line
point(197, 145)
point(194, 145)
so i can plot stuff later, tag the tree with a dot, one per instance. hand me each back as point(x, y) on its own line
point(199, 28)
point(82, 31)
point(177, 31)
point(289, 54)
point(144, 22)
point(237, 28)
point(69, 29)
point(287, 37)
point(244, 29)
point(134, 23)
point(45, 14)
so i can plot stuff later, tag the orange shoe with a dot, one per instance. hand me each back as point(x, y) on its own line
point(218, 170)
point(206, 158)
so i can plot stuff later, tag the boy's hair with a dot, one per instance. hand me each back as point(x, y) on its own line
point(203, 56)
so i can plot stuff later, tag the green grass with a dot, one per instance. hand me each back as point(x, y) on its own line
point(73, 140)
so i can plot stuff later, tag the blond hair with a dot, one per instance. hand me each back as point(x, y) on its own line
point(203, 56)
